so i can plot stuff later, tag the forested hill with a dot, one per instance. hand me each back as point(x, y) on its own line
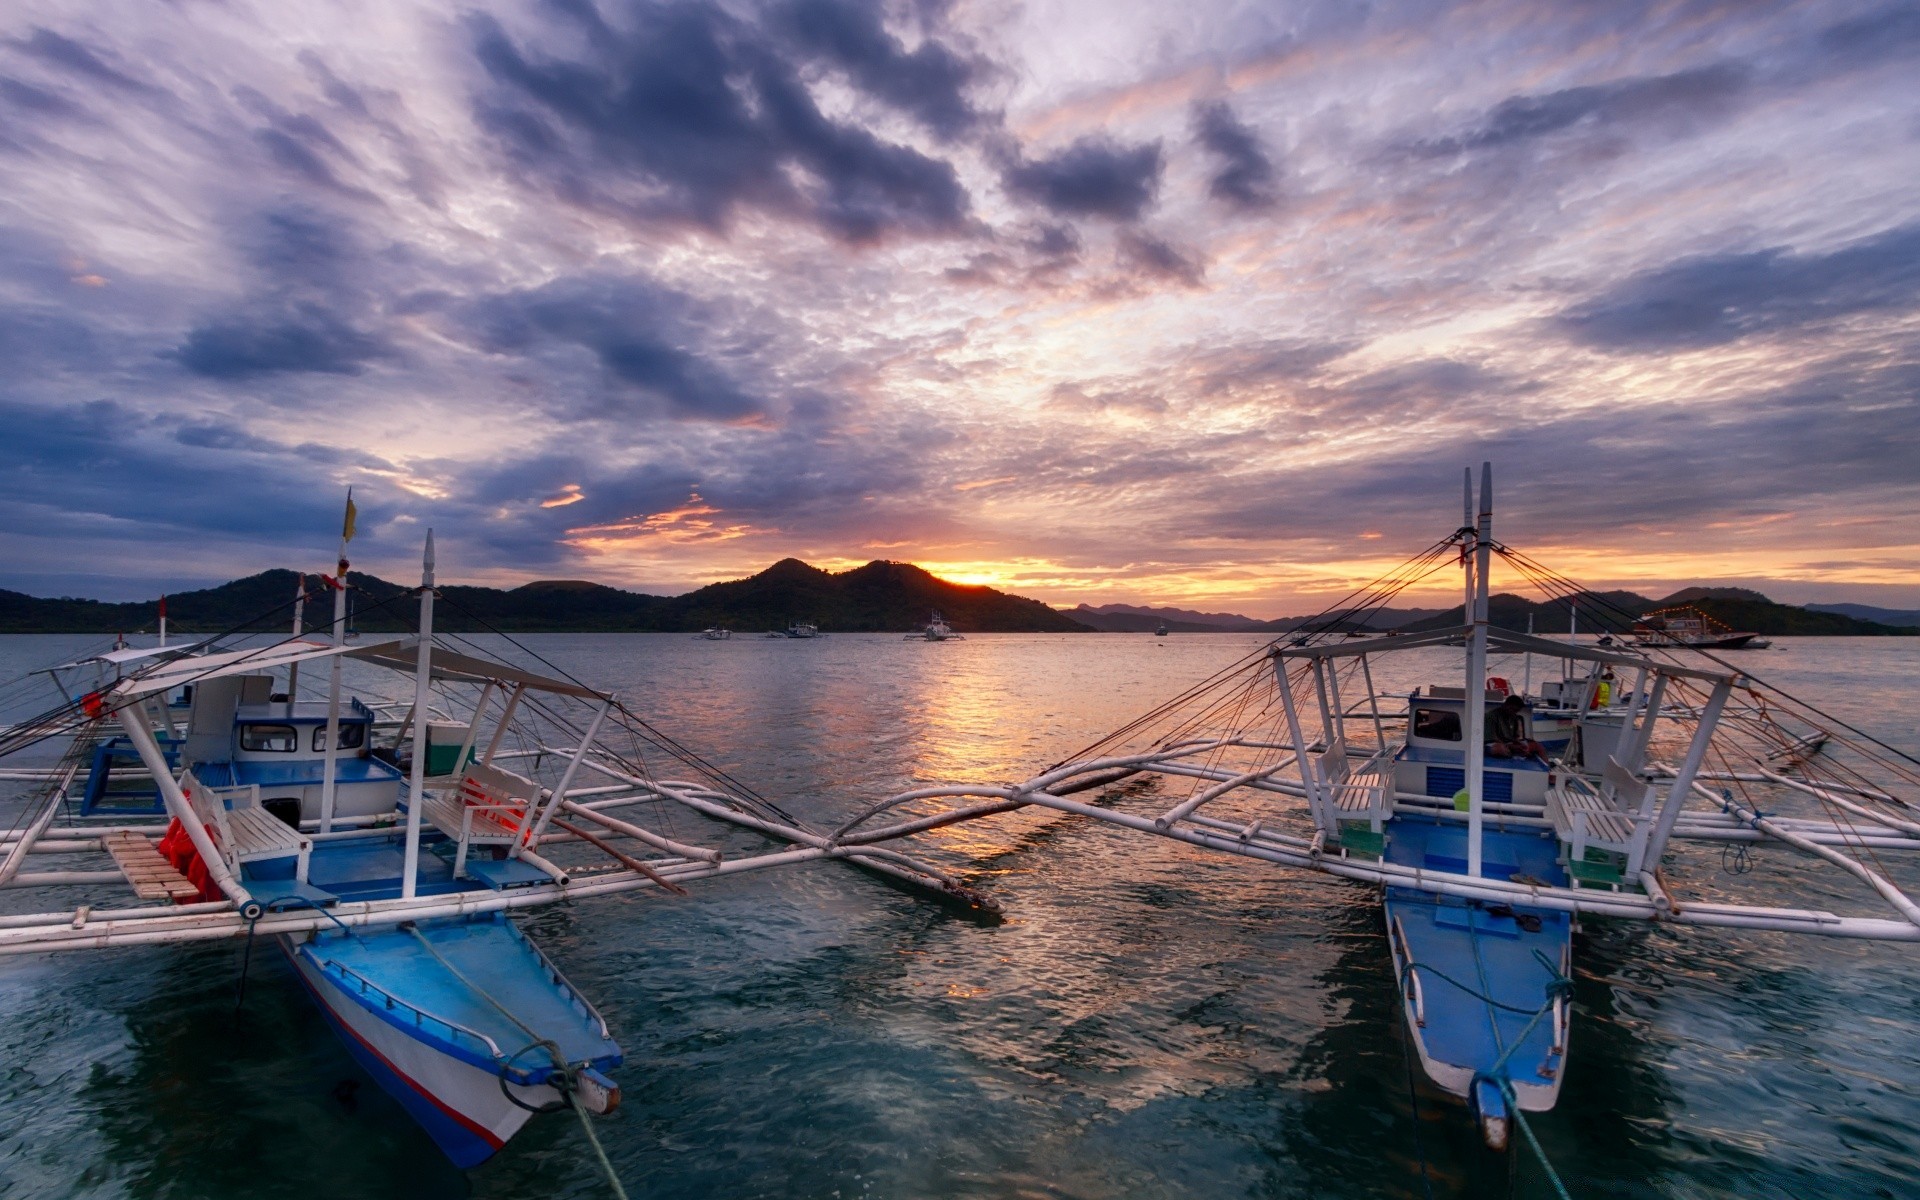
point(1738, 608)
point(881, 596)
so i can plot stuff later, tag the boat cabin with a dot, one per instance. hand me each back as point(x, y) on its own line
point(1433, 762)
point(276, 750)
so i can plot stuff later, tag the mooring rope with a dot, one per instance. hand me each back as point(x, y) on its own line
point(564, 1071)
point(1558, 986)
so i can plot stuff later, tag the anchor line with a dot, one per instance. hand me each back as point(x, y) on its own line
point(565, 1080)
point(1558, 985)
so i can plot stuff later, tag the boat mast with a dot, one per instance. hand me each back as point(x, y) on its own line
point(423, 678)
point(1473, 711)
point(299, 616)
point(329, 771)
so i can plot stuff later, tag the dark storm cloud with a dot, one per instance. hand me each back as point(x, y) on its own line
point(1156, 260)
point(1245, 178)
point(1874, 37)
point(308, 339)
point(1713, 300)
point(1094, 177)
point(76, 58)
point(85, 454)
point(648, 340)
point(1677, 98)
point(929, 82)
point(693, 114)
point(308, 307)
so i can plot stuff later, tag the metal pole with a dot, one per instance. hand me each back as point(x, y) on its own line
point(299, 617)
point(1473, 709)
point(1689, 767)
point(1307, 772)
point(329, 770)
point(1637, 753)
point(506, 721)
point(422, 681)
point(566, 779)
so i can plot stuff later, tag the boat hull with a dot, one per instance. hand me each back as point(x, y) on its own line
point(459, 1105)
point(1482, 986)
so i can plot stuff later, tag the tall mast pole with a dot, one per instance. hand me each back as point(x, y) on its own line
point(299, 616)
point(1474, 711)
point(423, 678)
point(330, 771)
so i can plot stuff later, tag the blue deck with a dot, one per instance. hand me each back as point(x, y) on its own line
point(490, 953)
point(369, 868)
point(1485, 948)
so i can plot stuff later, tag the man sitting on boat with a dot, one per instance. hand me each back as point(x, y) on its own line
point(1507, 732)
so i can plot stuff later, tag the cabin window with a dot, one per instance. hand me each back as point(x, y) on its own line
point(1439, 724)
point(352, 737)
point(281, 739)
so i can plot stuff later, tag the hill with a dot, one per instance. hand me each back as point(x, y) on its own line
point(1133, 618)
point(1867, 612)
point(881, 596)
point(1615, 612)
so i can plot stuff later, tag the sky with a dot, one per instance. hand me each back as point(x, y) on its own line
point(1203, 304)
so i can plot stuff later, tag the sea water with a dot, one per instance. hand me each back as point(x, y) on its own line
point(1149, 1020)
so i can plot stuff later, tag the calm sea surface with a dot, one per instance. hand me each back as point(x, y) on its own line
point(1149, 1021)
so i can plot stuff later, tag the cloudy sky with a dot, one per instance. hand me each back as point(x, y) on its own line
point(1199, 303)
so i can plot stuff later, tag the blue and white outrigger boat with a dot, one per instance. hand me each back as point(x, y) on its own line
point(1484, 865)
point(383, 856)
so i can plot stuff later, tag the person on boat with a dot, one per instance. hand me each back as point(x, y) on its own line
point(1507, 732)
point(1604, 689)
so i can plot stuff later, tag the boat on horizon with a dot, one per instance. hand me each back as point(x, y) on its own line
point(1687, 627)
point(937, 630)
point(802, 629)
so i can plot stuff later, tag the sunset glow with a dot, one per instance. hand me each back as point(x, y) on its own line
point(1194, 305)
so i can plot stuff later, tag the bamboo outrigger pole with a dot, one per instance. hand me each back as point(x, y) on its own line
point(423, 679)
point(330, 770)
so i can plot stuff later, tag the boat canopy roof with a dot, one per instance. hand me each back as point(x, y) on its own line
point(397, 654)
point(1506, 642)
point(128, 654)
point(466, 668)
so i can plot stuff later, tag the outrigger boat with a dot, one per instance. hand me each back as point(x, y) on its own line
point(384, 858)
point(1688, 627)
point(937, 630)
point(1484, 866)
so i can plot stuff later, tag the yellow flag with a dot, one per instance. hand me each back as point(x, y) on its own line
point(346, 530)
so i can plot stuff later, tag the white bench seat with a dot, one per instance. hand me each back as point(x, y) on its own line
point(1614, 816)
point(486, 807)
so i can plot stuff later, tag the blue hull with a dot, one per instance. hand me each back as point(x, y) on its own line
point(1482, 986)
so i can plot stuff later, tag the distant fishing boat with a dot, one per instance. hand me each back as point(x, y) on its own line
point(1687, 627)
point(1161, 631)
point(714, 633)
point(384, 857)
point(803, 629)
point(937, 630)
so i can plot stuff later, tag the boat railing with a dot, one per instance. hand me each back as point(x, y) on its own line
point(420, 1015)
point(560, 981)
point(1412, 970)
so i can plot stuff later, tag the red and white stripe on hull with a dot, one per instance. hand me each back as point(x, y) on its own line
point(459, 1103)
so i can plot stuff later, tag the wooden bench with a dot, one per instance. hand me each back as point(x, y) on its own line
point(152, 876)
point(488, 806)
